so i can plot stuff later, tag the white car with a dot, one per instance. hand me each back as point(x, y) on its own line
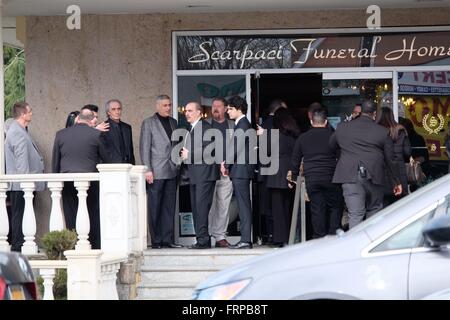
point(400, 253)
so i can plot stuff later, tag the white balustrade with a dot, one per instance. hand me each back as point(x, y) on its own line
point(48, 275)
point(56, 215)
point(29, 220)
point(137, 172)
point(4, 221)
point(82, 223)
point(109, 268)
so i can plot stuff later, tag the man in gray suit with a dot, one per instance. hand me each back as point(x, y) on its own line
point(155, 149)
point(22, 156)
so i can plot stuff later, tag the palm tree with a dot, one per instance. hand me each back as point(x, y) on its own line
point(14, 72)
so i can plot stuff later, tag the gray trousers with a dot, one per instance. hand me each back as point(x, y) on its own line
point(218, 214)
point(363, 199)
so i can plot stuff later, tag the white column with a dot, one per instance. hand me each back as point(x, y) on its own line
point(2, 97)
point(4, 221)
point(29, 220)
point(83, 274)
point(108, 289)
point(141, 206)
point(115, 208)
point(82, 224)
point(56, 215)
point(48, 275)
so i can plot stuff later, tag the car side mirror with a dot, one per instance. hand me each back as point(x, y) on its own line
point(437, 231)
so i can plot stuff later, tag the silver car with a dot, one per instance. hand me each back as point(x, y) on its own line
point(400, 253)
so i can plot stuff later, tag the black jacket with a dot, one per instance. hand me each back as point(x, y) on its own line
point(363, 142)
point(286, 147)
point(241, 153)
point(78, 149)
point(112, 140)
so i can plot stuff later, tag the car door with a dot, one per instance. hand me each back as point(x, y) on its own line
point(428, 271)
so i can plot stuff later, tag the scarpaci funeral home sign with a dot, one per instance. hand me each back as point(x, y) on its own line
point(312, 51)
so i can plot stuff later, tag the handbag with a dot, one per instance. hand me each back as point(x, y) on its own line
point(414, 173)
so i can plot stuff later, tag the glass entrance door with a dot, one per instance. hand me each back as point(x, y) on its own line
point(342, 91)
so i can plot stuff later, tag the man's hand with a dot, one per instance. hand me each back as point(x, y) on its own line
point(259, 130)
point(184, 154)
point(223, 170)
point(398, 190)
point(103, 126)
point(149, 177)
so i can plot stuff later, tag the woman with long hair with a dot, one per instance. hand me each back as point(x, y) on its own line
point(402, 152)
point(72, 118)
point(281, 195)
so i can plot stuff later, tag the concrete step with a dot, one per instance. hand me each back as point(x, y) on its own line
point(217, 258)
point(165, 290)
point(179, 274)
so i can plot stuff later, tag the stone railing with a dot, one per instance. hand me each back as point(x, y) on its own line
point(123, 226)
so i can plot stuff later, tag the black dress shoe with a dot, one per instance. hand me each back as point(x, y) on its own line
point(241, 245)
point(156, 246)
point(200, 246)
point(171, 245)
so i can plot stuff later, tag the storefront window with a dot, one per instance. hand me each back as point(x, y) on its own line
point(424, 101)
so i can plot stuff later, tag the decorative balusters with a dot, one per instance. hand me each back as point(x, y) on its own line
point(29, 220)
point(56, 215)
point(48, 275)
point(4, 221)
point(82, 224)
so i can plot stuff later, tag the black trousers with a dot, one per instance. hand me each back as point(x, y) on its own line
point(70, 207)
point(241, 188)
point(17, 208)
point(201, 200)
point(282, 200)
point(161, 201)
point(326, 207)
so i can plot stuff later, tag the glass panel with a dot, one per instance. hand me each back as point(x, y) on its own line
point(340, 96)
point(204, 88)
point(424, 101)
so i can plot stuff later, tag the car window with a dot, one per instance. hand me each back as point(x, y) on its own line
point(411, 235)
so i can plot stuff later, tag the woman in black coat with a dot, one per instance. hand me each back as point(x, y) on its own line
point(281, 195)
point(402, 152)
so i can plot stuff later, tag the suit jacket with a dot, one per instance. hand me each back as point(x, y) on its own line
point(22, 155)
point(236, 170)
point(112, 138)
point(155, 148)
point(362, 141)
point(286, 148)
point(78, 149)
point(198, 168)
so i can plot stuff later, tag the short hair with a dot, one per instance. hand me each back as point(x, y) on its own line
point(19, 108)
point(197, 105)
point(238, 103)
point(275, 105)
point(162, 97)
point(368, 106)
point(109, 102)
point(314, 106)
point(319, 116)
point(223, 100)
point(91, 107)
point(86, 115)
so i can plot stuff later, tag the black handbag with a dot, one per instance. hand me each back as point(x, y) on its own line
point(414, 172)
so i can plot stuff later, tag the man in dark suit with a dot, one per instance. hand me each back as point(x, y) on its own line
point(365, 149)
point(79, 149)
point(119, 140)
point(155, 149)
point(240, 172)
point(202, 176)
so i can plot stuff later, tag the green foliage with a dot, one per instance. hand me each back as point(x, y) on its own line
point(55, 243)
point(14, 73)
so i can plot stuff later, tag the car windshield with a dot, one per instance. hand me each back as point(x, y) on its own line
point(427, 192)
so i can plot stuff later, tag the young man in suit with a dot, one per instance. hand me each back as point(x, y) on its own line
point(118, 138)
point(240, 173)
point(365, 149)
point(202, 176)
point(161, 175)
point(78, 149)
point(22, 156)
